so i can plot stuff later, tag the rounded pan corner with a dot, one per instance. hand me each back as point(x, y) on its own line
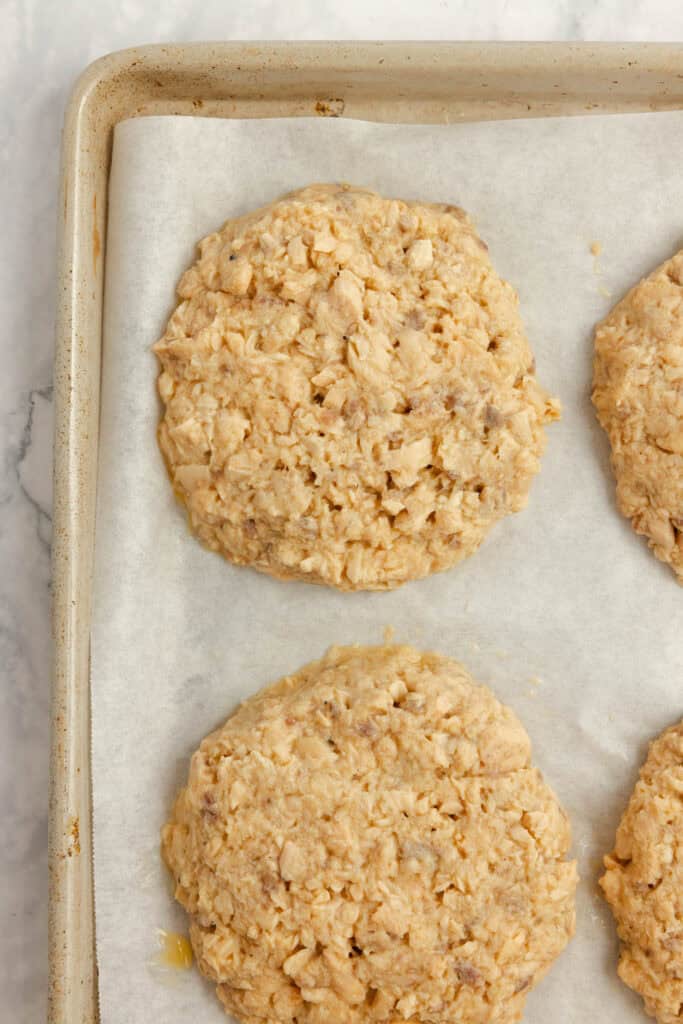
point(100, 72)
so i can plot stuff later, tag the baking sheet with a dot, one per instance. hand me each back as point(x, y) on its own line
point(563, 612)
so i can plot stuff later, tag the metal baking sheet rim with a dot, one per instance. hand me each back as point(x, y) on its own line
point(418, 82)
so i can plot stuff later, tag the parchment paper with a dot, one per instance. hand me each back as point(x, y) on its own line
point(563, 611)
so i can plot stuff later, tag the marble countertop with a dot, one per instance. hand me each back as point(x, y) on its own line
point(44, 44)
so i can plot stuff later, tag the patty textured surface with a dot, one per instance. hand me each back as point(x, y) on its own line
point(349, 392)
point(638, 395)
point(367, 840)
point(643, 882)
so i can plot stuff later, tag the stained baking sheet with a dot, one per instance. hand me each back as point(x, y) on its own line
point(563, 611)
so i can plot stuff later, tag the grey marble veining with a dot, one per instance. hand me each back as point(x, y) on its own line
point(43, 46)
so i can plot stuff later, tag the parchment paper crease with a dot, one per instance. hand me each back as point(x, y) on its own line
point(563, 611)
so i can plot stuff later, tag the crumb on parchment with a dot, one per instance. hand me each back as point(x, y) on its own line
point(596, 250)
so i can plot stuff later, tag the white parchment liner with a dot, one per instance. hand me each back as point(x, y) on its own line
point(563, 612)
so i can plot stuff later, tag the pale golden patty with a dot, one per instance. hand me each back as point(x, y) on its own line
point(638, 395)
point(349, 392)
point(368, 841)
point(644, 881)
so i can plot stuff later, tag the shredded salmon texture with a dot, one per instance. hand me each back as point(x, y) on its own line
point(349, 392)
point(367, 840)
point(643, 881)
point(638, 395)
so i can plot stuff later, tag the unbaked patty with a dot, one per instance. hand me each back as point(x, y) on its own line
point(367, 840)
point(349, 394)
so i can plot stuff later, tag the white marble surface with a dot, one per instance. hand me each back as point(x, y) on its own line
point(43, 46)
